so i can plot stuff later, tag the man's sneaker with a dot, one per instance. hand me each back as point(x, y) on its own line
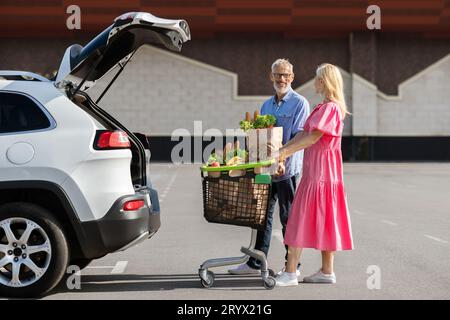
point(320, 277)
point(285, 280)
point(244, 269)
point(297, 272)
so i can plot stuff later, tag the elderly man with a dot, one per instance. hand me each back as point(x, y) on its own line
point(291, 110)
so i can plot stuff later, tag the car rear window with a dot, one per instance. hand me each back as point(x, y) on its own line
point(20, 113)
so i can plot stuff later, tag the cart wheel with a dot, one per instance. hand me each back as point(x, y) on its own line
point(269, 283)
point(208, 282)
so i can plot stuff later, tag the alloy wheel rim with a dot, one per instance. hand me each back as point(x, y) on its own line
point(25, 252)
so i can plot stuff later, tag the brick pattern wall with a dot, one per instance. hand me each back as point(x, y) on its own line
point(160, 92)
point(250, 56)
point(422, 111)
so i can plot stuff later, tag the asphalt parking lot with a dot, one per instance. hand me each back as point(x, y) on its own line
point(400, 217)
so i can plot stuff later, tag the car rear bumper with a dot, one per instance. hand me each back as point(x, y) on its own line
point(118, 229)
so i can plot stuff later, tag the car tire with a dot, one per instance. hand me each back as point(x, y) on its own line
point(45, 246)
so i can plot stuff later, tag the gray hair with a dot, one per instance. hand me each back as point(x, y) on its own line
point(282, 62)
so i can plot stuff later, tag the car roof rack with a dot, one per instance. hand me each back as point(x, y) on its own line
point(21, 76)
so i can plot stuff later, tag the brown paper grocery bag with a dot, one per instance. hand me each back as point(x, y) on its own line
point(262, 145)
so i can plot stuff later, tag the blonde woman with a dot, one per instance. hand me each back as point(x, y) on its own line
point(319, 215)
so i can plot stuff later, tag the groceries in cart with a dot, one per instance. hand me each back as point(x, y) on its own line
point(231, 156)
point(236, 189)
point(258, 122)
point(262, 140)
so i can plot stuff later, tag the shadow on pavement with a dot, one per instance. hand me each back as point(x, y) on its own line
point(134, 282)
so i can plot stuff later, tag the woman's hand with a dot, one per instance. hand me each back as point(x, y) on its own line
point(281, 170)
point(281, 155)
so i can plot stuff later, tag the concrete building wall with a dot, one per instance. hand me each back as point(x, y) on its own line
point(422, 107)
point(384, 59)
point(160, 92)
point(365, 107)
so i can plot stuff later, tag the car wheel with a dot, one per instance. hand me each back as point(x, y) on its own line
point(33, 250)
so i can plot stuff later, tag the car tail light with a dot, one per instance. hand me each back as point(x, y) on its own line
point(133, 205)
point(107, 140)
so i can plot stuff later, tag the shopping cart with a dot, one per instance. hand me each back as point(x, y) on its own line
point(237, 195)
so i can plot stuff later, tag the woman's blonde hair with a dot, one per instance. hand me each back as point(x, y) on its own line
point(333, 89)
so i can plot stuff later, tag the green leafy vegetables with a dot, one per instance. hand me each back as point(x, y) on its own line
point(261, 122)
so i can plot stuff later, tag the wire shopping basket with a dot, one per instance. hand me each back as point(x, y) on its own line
point(237, 195)
point(241, 201)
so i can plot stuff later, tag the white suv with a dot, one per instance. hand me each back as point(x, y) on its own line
point(74, 182)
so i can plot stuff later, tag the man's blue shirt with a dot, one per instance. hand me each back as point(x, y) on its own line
point(291, 113)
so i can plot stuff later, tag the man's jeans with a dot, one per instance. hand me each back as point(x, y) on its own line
point(284, 192)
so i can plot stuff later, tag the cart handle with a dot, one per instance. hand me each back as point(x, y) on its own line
point(244, 166)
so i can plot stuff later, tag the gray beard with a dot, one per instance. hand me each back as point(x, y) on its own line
point(281, 91)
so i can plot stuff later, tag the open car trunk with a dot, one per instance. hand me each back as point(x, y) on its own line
point(82, 67)
point(140, 149)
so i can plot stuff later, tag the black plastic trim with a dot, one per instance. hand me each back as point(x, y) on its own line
point(354, 148)
point(119, 228)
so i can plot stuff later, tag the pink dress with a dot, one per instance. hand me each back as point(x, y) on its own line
point(319, 215)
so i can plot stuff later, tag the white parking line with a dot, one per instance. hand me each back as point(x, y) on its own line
point(155, 177)
point(172, 180)
point(277, 233)
point(359, 212)
point(389, 222)
point(119, 267)
point(435, 239)
point(169, 185)
point(403, 185)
